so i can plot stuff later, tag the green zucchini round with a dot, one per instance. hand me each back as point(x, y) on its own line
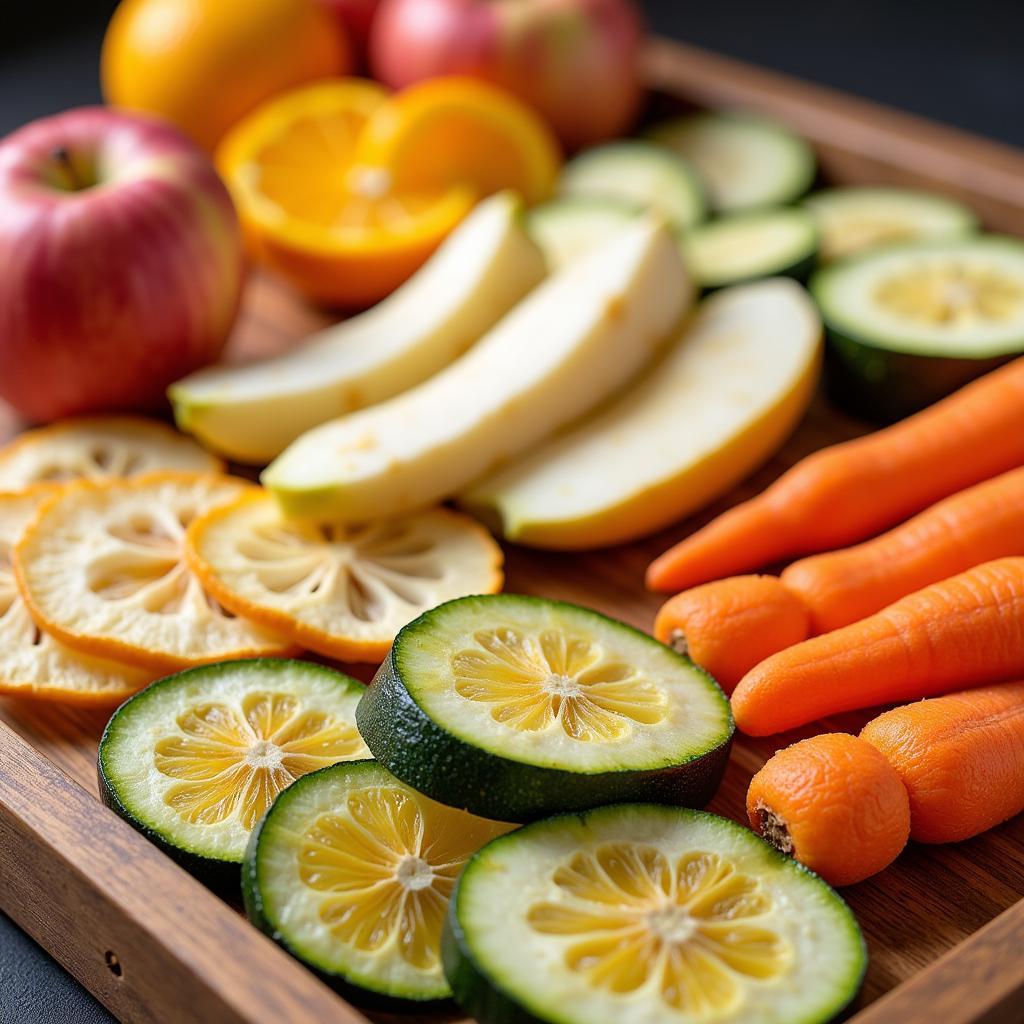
point(516, 707)
point(568, 228)
point(908, 324)
point(169, 751)
point(639, 912)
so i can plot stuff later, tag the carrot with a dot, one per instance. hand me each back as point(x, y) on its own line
point(961, 758)
point(848, 492)
point(834, 803)
point(728, 626)
point(964, 631)
point(977, 525)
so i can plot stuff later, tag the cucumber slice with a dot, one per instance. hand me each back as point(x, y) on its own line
point(853, 219)
point(514, 707)
point(195, 759)
point(746, 246)
point(351, 872)
point(567, 229)
point(638, 174)
point(648, 914)
point(744, 160)
point(911, 323)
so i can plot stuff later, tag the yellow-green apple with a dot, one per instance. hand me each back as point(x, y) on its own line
point(120, 262)
point(575, 61)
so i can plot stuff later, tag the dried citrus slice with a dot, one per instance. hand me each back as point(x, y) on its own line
point(344, 591)
point(32, 663)
point(338, 230)
point(352, 872)
point(195, 760)
point(102, 567)
point(98, 447)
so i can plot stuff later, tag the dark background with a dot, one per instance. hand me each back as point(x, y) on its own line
point(962, 63)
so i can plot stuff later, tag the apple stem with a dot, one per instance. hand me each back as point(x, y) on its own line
point(62, 158)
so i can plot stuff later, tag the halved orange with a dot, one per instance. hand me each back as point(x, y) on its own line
point(32, 663)
point(102, 568)
point(346, 191)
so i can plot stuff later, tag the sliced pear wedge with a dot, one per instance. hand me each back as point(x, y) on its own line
point(716, 406)
point(566, 347)
point(251, 413)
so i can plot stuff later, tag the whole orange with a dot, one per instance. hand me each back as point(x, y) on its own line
point(203, 64)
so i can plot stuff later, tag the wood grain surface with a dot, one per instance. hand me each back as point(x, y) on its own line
point(944, 925)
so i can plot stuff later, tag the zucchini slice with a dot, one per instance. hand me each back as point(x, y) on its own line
point(567, 229)
point(647, 913)
point(515, 707)
point(853, 219)
point(744, 160)
point(910, 323)
point(351, 872)
point(194, 760)
point(747, 246)
point(638, 174)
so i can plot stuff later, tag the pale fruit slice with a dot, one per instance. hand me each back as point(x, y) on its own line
point(32, 663)
point(719, 403)
point(567, 346)
point(352, 871)
point(94, 448)
point(102, 567)
point(252, 413)
point(341, 591)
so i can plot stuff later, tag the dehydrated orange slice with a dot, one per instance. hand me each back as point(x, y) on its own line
point(99, 447)
point(344, 591)
point(32, 663)
point(102, 568)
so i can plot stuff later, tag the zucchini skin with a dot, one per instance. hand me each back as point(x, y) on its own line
point(882, 386)
point(423, 755)
point(252, 901)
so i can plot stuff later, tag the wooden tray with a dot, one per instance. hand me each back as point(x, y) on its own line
point(944, 925)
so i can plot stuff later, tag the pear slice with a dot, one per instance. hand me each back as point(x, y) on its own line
point(722, 399)
point(252, 413)
point(567, 346)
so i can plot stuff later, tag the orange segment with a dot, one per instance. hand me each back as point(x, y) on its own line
point(459, 130)
point(338, 231)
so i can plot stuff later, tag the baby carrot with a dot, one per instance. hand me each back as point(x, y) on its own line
point(834, 803)
point(977, 525)
point(848, 492)
point(964, 631)
point(961, 758)
point(730, 625)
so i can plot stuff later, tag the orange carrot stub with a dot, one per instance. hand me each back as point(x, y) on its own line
point(848, 492)
point(964, 631)
point(834, 803)
point(961, 758)
point(730, 625)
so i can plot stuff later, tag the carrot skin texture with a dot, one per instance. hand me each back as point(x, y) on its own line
point(961, 758)
point(844, 809)
point(730, 625)
point(977, 525)
point(962, 632)
point(843, 494)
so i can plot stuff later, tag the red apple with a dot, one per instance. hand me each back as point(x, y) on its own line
point(575, 61)
point(120, 262)
point(357, 17)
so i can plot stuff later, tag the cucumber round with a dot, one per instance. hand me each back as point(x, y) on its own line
point(854, 219)
point(910, 323)
point(568, 228)
point(744, 160)
point(516, 707)
point(639, 174)
point(645, 913)
point(747, 246)
point(195, 759)
point(351, 872)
